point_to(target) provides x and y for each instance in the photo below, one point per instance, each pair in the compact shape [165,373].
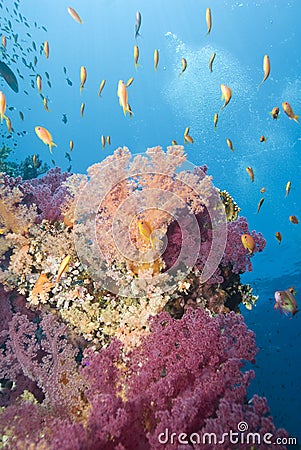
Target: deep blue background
[164,104]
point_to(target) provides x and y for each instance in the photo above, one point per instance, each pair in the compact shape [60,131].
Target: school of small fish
[14,53]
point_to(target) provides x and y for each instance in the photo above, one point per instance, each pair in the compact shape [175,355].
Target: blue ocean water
[164,104]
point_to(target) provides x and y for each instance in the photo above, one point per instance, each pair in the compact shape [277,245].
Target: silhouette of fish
[9,76]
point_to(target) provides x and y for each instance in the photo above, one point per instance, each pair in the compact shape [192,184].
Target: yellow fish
[266,69]
[174,142]
[289,111]
[136,55]
[8,124]
[39,83]
[226,95]
[74,15]
[123,97]
[2,106]
[278,236]
[208,20]
[156,59]
[63,267]
[215,120]
[212,57]
[146,230]
[184,66]
[109,140]
[188,138]
[260,204]
[82,109]
[45,136]
[83,78]
[45,103]
[248,242]
[103,141]
[3,40]
[129,82]
[275,112]
[46,49]
[101,86]
[250,172]
[288,188]
[230,145]
[71,145]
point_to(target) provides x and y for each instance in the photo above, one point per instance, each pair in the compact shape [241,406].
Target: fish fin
[295,118]
[260,84]
[295,311]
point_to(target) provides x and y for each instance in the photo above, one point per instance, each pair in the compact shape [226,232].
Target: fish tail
[81,88]
[52,144]
[296,119]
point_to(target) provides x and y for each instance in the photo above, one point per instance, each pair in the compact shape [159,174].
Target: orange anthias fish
[101,86]
[83,78]
[208,20]
[46,49]
[278,236]
[226,95]
[63,267]
[156,59]
[2,106]
[136,56]
[285,302]
[123,97]
[42,285]
[45,136]
[262,138]
[74,15]
[250,172]
[248,242]
[288,188]
[230,144]
[184,66]
[266,69]
[289,111]
[146,230]
[294,220]
[275,112]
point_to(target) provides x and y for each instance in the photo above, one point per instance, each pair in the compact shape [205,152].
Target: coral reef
[80,276]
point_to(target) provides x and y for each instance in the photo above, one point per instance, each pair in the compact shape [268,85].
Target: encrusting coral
[82,276]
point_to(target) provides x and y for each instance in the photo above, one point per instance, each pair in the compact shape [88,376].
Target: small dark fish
[9,76]
[47,75]
[35,61]
[34,46]
[25,92]
[67,155]
[21,115]
[137,24]
[49,84]
[53,162]
[28,34]
[15,36]
[44,28]
[35,24]
[65,70]
[69,81]
[26,24]
[69,169]
[11,108]
[64,118]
